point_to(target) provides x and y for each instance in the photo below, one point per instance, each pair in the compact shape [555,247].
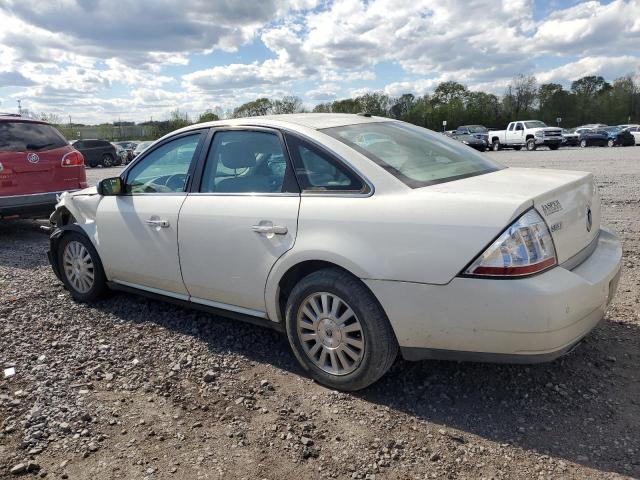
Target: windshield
[25,136]
[477,129]
[416,156]
[612,129]
[535,124]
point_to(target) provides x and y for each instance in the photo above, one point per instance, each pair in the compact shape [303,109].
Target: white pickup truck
[526,133]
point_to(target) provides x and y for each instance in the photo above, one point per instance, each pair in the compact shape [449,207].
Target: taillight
[524,248]
[73,159]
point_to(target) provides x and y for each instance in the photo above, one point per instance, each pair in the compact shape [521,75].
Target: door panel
[136,252]
[138,231]
[243,218]
[223,259]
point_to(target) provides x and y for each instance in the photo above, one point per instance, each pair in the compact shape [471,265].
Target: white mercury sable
[359,236]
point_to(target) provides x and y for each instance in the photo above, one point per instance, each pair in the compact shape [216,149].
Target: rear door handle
[267,229]
[157,223]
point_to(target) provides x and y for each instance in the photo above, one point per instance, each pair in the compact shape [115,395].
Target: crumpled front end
[76,207]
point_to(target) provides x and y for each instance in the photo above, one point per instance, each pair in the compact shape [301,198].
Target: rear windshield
[23,136]
[416,156]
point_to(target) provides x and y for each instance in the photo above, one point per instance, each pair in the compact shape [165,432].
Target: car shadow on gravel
[27,238]
[583,408]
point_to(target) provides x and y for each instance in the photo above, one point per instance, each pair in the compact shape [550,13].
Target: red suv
[36,164]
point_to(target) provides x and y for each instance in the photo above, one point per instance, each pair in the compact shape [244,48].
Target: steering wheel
[176,182]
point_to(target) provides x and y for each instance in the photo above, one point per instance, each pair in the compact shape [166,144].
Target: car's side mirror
[111,186]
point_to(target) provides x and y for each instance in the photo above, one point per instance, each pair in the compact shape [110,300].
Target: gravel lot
[133,388]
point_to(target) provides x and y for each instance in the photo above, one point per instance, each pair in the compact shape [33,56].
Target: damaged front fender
[78,207]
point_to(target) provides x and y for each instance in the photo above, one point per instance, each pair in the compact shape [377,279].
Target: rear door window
[29,136]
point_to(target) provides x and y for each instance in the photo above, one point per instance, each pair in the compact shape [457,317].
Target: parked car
[635,131]
[528,133]
[470,139]
[123,156]
[571,137]
[141,147]
[97,152]
[619,137]
[479,131]
[36,164]
[415,244]
[129,146]
[591,137]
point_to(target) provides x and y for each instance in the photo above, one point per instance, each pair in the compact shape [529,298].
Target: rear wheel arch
[295,273]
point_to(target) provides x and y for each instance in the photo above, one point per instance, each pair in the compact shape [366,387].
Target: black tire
[380,344]
[554,147]
[531,145]
[495,146]
[518,148]
[99,287]
[107,160]
[583,143]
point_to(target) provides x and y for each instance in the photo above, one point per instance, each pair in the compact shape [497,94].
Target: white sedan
[358,250]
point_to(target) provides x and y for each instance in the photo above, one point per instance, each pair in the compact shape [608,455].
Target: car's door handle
[157,223]
[267,229]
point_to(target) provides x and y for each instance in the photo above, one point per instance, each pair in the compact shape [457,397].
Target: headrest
[237,155]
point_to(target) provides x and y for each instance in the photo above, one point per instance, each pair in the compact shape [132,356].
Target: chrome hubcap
[78,266]
[330,333]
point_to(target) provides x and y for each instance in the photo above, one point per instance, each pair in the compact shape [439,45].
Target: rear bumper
[31,205]
[527,320]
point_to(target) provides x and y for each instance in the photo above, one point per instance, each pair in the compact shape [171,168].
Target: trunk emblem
[589,219]
[33,158]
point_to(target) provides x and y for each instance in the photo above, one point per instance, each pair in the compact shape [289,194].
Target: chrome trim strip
[582,255]
[233,308]
[244,194]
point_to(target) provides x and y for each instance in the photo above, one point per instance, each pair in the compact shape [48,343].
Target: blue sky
[100,60]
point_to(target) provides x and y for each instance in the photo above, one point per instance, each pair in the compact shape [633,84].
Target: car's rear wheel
[80,268]
[495,146]
[107,160]
[531,145]
[583,144]
[338,331]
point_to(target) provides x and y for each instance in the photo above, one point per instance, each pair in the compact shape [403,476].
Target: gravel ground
[133,388]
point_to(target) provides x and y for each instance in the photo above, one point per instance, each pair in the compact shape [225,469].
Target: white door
[241,220]
[138,231]
[515,136]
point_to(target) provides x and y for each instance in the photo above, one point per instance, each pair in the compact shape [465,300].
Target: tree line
[590,99]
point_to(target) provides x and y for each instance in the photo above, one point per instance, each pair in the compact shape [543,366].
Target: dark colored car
[593,138]
[479,131]
[619,137]
[98,152]
[476,136]
[36,164]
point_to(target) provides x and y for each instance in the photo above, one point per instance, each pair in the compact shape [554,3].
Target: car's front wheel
[107,160]
[338,331]
[610,143]
[80,268]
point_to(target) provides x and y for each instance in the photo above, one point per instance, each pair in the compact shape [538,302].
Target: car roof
[315,121]
[14,117]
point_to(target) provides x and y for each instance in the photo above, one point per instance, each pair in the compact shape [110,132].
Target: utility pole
[20,107]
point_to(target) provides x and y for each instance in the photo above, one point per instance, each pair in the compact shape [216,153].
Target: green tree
[208,116]
[255,108]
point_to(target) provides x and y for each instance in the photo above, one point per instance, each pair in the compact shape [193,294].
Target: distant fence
[110,132]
